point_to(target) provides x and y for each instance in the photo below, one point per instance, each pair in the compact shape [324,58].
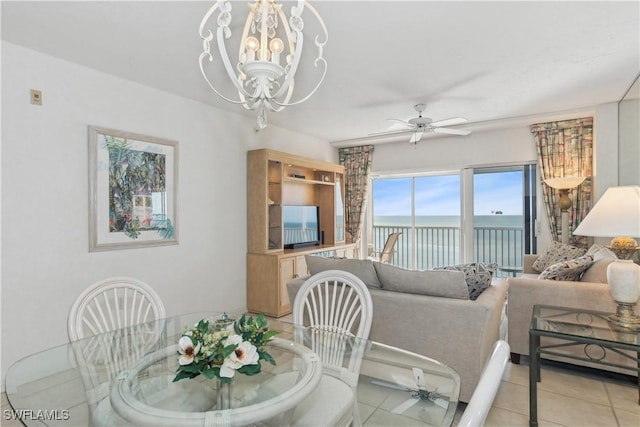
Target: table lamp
[617,213]
[563,185]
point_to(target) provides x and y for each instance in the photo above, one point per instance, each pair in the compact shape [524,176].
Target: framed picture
[133,190]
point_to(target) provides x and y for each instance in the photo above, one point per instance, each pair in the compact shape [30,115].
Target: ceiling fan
[419,125]
[418,392]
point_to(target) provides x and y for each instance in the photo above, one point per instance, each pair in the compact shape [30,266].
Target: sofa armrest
[527,263]
[525,292]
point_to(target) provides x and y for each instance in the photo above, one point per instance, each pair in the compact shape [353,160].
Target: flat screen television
[301,226]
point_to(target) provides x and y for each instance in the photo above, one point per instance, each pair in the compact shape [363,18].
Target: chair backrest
[111,304]
[336,301]
[389,247]
[482,398]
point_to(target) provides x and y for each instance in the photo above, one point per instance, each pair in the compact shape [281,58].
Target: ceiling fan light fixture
[264,81]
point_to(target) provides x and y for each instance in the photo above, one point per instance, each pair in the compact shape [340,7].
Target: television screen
[301,226]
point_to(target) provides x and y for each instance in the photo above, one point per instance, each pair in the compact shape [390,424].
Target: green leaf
[182,375]
[261,321]
[203,326]
[267,357]
[269,334]
[250,369]
[212,372]
[228,350]
[193,368]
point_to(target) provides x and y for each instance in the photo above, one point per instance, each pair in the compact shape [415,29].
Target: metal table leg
[534,377]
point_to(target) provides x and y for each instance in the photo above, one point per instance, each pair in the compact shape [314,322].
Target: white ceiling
[485,61]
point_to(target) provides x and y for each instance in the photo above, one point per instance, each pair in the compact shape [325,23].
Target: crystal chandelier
[268,56]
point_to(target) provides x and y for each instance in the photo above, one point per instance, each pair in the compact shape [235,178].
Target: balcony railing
[440,246]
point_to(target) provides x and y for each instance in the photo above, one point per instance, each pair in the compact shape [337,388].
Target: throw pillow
[556,253]
[477,276]
[361,268]
[447,284]
[567,270]
[602,257]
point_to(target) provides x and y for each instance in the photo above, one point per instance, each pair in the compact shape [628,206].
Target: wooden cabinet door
[301,266]
[287,272]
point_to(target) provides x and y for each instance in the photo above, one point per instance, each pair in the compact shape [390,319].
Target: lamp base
[625,319]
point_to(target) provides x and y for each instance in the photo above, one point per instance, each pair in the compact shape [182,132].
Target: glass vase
[224,395]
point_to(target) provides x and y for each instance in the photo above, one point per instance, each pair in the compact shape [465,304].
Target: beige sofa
[449,328]
[591,292]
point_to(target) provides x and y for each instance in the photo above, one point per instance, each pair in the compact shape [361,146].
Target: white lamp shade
[565,182]
[617,213]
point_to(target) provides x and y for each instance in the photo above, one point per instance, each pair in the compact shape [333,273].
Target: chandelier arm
[206,18]
[324,73]
[324,28]
[294,65]
[299,39]
[227,65]
[233,101]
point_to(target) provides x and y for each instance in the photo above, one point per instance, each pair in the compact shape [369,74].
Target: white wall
[45,257]
[511,145]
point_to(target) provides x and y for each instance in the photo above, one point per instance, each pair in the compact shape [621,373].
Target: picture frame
[133,190]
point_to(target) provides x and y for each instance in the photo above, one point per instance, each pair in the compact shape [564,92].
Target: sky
[440,195]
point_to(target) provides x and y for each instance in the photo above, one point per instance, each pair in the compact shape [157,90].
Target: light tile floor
[566,397]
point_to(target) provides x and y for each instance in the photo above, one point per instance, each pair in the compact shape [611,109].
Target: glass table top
[571,322]
[112,378]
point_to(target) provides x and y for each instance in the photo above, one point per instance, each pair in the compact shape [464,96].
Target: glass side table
[576,327]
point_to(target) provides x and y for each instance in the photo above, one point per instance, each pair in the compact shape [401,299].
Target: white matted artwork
[133,188]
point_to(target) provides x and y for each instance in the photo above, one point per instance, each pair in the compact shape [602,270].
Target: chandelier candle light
[269,54]
[617,213]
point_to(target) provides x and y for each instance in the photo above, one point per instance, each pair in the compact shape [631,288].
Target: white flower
[187,350]
[245,354]
[233,340]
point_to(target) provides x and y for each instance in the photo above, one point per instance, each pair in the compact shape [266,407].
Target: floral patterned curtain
[566,149]
[357,164]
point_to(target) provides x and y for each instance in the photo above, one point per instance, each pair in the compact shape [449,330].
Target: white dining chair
[111,304]
[102,348]
[337,307]
[482,398]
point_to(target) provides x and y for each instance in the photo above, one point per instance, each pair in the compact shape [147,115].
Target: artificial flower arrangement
[220,353]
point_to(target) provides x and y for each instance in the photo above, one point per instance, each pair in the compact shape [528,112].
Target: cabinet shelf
[307,181]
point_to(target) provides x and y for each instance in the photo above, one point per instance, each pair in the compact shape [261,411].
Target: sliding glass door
[478,214]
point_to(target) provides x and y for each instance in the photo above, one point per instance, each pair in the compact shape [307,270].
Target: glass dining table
[126,378]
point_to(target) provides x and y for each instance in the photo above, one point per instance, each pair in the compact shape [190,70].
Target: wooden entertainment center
[276,179]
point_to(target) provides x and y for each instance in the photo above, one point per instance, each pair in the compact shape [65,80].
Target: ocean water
[450,221]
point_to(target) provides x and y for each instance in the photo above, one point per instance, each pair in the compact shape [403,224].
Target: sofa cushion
[361,268]
[602,257]
[557,252]
[567,270]
[477,275]
[443,283]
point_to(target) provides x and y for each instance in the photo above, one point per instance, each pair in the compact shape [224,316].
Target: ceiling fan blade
[392,132]
[452,131]
[390,385]
[401,122]
[449,122]
[415,137]
[405,405]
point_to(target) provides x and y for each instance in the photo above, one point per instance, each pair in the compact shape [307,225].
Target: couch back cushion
[361,268]
[436,283]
